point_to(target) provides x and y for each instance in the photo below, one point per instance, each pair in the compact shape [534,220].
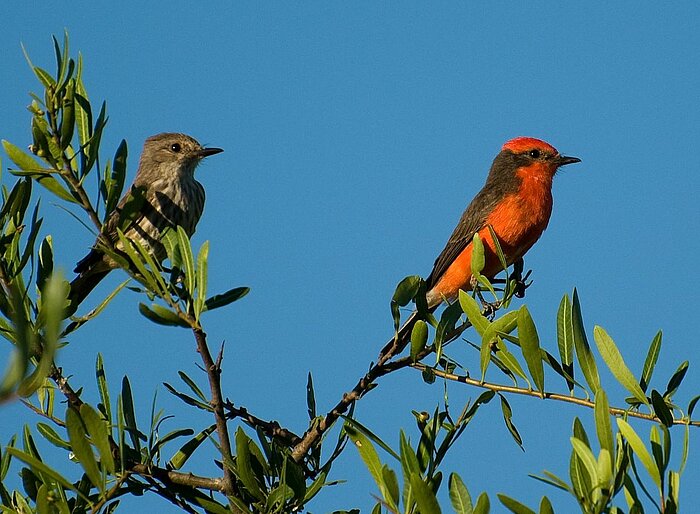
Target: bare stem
[615,411]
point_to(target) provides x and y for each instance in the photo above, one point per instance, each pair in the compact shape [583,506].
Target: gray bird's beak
[206,152]
[563,160]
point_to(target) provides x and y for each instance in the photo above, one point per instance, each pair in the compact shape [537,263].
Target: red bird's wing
[473,219]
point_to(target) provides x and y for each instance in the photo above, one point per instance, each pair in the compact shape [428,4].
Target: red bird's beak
[563,160]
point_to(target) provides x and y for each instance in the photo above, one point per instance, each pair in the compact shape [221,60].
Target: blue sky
[354,135]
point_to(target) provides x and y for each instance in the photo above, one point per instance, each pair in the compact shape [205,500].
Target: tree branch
[213,370]
[615,411]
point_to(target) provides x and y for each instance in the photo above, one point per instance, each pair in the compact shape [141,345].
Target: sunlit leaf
[612,357]
[530,345]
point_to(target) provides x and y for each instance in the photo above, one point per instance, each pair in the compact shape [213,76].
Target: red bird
[516,202]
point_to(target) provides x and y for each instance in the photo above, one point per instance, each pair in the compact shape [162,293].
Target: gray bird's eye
[175,147]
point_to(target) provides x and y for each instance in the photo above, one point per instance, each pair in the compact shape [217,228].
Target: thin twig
[615,411]
[269,428]
[217,403]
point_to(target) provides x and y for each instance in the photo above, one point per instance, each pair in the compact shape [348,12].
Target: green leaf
[129,415]
[603,424]
[509,360]
[530,345]
[187,259]
[162,316]
[51,436]
[661,410]
[99,435]
[612,357]
[187,449]
[675,381]
[117,178]
[473,312]
[478,258]
[40,467]
[244,469]
[507,418]
[221,300]
[202,278]
[583,349]
[82,449]
[419,337]
[192,385]
[405,291]
[22,159]
[459,495]
[514,505]
[565,339]
[369,456]
[483,505]
[424,495]
[650,361]
[585,455]
[640,450]
[546,506]
[102,387]
[359,427]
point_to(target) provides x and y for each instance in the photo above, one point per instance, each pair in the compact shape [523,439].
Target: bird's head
[173,154]
[534,158]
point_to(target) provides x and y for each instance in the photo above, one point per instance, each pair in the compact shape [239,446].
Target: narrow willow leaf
[244,469]
[530,345]
[473,312]
[565,339]
[51,436]
[514,505]
[221,300]
[359,427]
[129,415]
[310,397]
[603,425]
[507,418]
[82,449]
[99,435]
[661,410]
[483,504]
[392,486]
[419,337]
[584,453]
[501,326]
[22,159]
[650,361]
[612,357]
[40,467]
[546,506]
[162,316]
[102,387]
[405,291]
[510,362]
[187,449]
[478,258]
[424,495]
[583,349]
[675,381]
[459,495]
[640,450]
[187,259]
[202,278]
[369,456]
[117,178]
[192,385]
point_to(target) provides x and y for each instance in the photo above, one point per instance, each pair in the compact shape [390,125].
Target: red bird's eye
[535,154]
[175,147]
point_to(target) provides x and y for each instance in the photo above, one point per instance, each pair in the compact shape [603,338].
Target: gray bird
[164,194]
